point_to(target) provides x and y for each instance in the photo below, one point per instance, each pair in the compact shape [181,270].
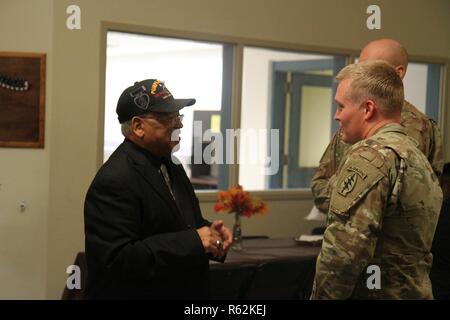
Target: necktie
[165,174]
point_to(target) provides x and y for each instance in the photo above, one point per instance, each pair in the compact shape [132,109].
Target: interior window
[190,69]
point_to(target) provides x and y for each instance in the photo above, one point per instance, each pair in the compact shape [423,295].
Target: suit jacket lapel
[151,174]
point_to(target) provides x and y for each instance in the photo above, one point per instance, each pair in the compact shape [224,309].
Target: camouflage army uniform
[384,208]
[418,126]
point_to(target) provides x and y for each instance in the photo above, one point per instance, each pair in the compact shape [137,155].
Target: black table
[265,269]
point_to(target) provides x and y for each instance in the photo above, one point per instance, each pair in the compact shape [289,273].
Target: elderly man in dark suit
[145,235]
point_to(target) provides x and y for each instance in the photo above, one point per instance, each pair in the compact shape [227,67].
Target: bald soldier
[418,126]
[385,199]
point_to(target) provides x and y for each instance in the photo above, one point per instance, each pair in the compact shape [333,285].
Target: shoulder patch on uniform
[348,184]
[355,179]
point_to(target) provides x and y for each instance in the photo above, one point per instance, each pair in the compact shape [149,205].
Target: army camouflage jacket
[384,208]
[418,126]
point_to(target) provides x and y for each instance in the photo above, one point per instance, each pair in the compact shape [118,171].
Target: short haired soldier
[385,199]
[417,125]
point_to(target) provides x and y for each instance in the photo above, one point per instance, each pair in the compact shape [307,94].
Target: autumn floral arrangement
[239,202]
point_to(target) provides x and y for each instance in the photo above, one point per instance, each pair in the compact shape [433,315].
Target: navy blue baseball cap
[149,95]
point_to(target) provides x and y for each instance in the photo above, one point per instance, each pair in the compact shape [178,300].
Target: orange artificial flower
[239,201]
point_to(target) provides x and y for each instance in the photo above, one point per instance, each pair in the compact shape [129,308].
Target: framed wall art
[22,99]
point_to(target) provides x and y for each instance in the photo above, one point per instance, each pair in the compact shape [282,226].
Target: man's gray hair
[376,80]
[126,128]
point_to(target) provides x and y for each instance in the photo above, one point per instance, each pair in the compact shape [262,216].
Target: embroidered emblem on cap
[141,98]
[348,184]
[159,90]
[154,86]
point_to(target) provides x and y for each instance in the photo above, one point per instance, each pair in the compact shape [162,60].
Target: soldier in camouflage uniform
[417,125]
[385,198]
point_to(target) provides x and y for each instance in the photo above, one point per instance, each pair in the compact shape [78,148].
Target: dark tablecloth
[264,269]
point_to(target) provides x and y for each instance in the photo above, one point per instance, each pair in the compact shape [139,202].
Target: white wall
[415,84]
[25,26]
[315,125]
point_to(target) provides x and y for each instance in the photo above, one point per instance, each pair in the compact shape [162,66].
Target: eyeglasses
[178,117]
[169,120]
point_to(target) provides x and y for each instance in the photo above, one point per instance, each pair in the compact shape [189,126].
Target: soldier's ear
[369,109]
[401,70]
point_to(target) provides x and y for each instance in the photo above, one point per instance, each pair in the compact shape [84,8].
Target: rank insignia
[348,184]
